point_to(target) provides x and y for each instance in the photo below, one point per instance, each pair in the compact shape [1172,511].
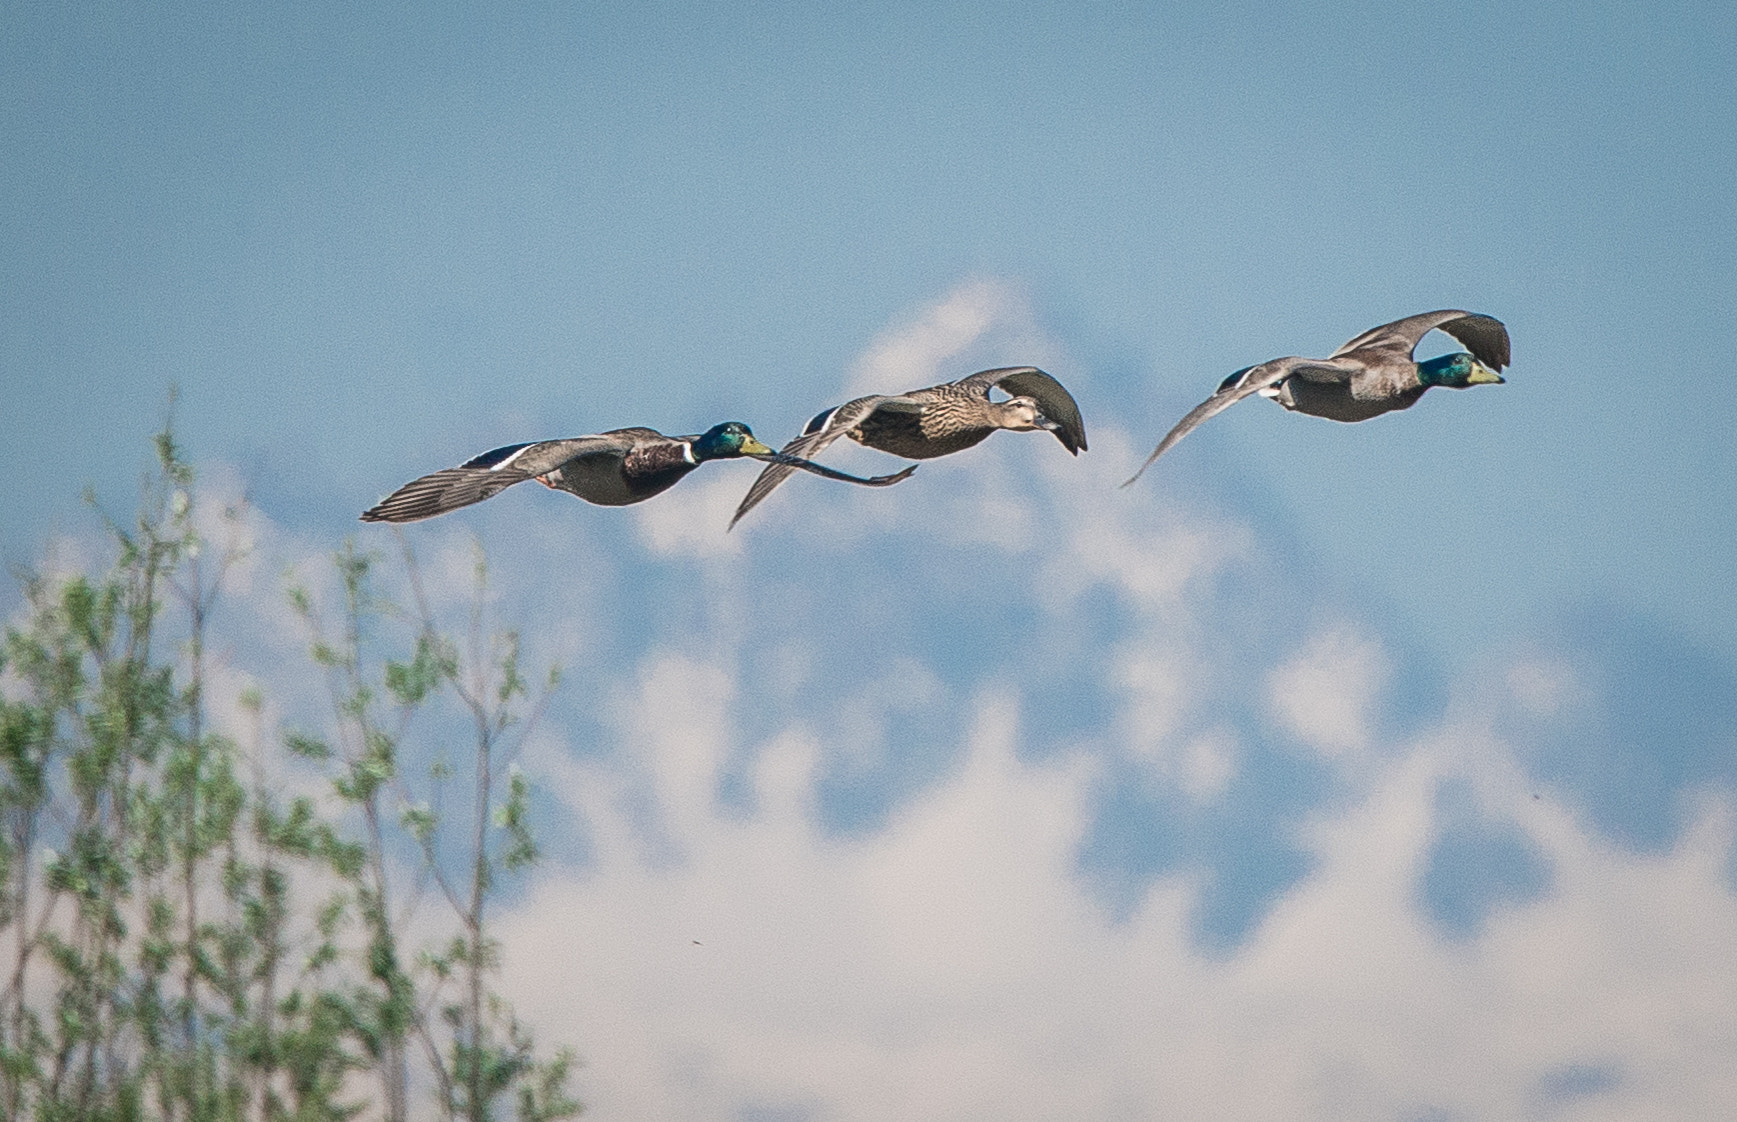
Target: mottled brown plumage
[936,421]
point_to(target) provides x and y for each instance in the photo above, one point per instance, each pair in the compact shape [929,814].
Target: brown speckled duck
[936,421]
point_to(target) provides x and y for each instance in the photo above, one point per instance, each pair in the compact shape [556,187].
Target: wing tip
[386,514]
[1135,478]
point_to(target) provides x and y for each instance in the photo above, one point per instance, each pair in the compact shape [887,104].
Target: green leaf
[307,747]
[420,821]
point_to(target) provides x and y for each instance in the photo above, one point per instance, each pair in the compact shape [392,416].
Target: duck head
[726,442]
[1457,371]
[1021,414]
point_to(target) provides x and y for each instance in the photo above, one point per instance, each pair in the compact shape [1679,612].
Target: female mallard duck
[937,421]
[1372,374]
[613,468]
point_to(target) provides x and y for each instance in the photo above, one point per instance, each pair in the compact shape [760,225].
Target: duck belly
[904,434]
[601,479]
[1334,400]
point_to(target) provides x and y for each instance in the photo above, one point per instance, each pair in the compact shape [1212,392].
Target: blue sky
[368,243]
[317,220]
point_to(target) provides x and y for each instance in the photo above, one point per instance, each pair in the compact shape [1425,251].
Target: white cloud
[690,519]
[1326,695]
[1148,550]
[682,706]
[1545,687]
[950,966]
[1207,764]
[984,320]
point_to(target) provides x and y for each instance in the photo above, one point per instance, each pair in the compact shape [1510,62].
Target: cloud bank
[1007,794]
[1004,794]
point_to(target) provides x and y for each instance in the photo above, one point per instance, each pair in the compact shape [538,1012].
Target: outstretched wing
[1233,389]
[825,427]
[487,475]
[1485,336]
[1051,397]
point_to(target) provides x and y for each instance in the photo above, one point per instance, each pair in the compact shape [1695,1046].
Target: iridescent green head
[726,442]
[1456,372]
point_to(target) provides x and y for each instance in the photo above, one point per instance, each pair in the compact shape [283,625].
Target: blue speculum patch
[494,456]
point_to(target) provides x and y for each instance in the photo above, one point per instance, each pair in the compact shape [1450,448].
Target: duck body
[1347,401]
[615,468]
[936,421]
[650,466]
[943,425]
[1372,374]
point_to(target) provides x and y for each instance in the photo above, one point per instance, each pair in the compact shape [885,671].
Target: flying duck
[1372,374]
[936,421]
[612,468]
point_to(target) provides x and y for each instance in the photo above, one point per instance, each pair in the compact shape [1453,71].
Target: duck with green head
[614,468]
[1372,374]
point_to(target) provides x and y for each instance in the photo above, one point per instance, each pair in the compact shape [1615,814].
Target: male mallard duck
[1372,374]
[936,421]
[613,468]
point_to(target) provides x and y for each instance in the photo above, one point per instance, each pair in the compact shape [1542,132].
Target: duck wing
[825,427]
[489,474]
[1485,336]
[1233,389]
[1051,397]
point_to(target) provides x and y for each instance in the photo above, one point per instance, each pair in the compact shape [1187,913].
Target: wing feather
[1485,336]
[1230,391]
[826,427]
[442,491]
[487,475]
[1051,397]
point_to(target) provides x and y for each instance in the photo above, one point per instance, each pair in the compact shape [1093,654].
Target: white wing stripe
[511,458]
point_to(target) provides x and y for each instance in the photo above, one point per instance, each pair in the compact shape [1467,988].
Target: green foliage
[513,817]
[481,1058]
[435,662]
[182,940]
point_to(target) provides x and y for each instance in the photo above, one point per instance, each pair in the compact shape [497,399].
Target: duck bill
[1046,424]
[752,447]
[1484,376]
